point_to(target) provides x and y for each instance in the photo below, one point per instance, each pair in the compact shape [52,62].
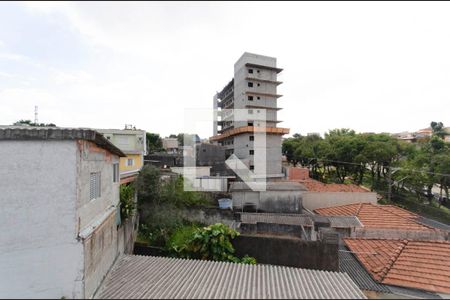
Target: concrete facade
[314,200]
[57,241]
[253,90]
[133,143]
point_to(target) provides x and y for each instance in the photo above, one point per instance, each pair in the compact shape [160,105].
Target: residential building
[61,228]
[248,107]
[140,277]
[170,145]
[415,264]
[133,143]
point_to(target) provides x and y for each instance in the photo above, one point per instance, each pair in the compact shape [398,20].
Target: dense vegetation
[345,156]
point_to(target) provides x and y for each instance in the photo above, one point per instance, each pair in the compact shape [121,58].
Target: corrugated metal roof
[349,264]
[139,277]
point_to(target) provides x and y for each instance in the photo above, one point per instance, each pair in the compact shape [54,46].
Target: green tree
[154,142]
[148,186]
[28,122]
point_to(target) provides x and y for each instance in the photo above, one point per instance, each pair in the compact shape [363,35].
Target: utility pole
[35,115]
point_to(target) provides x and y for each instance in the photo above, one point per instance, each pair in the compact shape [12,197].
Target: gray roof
[138,277]
[28,133]
[349,265]
[299,219]
[433,223]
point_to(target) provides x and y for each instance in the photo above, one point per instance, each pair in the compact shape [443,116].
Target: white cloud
[371,67]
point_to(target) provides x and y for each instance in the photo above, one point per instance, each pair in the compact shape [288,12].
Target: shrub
[208,243]
[127,205]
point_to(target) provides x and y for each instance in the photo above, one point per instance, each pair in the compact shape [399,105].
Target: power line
[361,165]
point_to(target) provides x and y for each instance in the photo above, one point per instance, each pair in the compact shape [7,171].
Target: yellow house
[132,142]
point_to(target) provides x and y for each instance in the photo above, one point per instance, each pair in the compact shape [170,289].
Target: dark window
[250,98]
[251,152]
[251,138]
[115,172]
[259,98]
[204,150]
[257,71]
[250,84]
[252,167]
[250,71]
[258,84]
[249,123]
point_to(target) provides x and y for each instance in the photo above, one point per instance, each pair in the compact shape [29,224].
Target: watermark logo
[240,133]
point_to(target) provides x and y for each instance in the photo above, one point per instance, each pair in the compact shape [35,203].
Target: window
[249,123]
[250,98]
[251,138]
[95,186]
[251,152]
[259,98]
[252,167]
[130,162]
[250,111]
[250,84]
[259,84]
[116,172]
[250,71]
[257,71]
[108,137]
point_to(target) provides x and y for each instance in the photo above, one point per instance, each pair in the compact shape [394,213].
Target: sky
[369,66]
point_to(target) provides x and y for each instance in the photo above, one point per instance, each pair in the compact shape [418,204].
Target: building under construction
[247,107]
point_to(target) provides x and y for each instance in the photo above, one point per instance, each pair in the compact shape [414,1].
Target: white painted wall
[313,200]
[39,254]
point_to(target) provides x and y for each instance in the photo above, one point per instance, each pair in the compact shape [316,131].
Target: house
[170,145]
[61,227]
[133,143]
[414,264]
[146,277]
[319,194]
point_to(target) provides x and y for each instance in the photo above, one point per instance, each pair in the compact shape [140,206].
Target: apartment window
[252,167]
[250,84]
[95,186]
[116,172]
[250,111]
[249,123]
[251,152]
[259,84]
[250,98]
[257,71]
[130,162]
[251,138]
[259,98]
[250,71]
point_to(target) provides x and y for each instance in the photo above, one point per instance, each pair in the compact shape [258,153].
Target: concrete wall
[286,251]
[400,234]
[40,256]
[313,200]
[269,201]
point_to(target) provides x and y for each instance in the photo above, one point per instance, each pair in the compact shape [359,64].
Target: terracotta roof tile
[422,265]
[377,216]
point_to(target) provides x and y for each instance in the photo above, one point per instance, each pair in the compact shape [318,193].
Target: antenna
[35,115]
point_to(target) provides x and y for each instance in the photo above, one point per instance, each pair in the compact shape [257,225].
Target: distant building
[133,143]
[170,145]
[252,89]
[61,228]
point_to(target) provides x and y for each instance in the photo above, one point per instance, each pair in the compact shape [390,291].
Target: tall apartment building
[248,106]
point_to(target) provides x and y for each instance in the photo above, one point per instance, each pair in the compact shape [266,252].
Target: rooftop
[377,216]
[421,265]
[27,133]
[138,277]
[298,219]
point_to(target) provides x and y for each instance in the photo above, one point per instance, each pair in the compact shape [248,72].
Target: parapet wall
[288,251]
[314,200]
